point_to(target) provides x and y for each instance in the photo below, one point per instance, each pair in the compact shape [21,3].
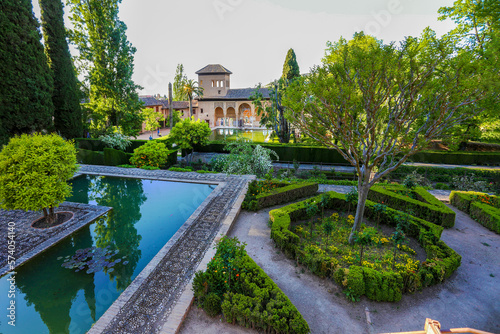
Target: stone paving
[30,241]
[147,303]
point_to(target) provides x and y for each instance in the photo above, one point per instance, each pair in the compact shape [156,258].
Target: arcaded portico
[222,106]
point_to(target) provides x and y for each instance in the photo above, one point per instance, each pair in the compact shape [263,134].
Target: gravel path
[469,298]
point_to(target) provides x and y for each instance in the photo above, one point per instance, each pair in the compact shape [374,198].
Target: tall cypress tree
[67,110]
[290,67]
[25,80]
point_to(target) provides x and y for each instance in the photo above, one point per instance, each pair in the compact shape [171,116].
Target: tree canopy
[383,102]
[179,80]
[25,80]
[106,59]
[34,170]
[66,95]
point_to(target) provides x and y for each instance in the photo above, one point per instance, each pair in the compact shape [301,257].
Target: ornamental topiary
[34,170]
[153,153]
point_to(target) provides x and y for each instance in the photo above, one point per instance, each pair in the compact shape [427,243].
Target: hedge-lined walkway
[467,299]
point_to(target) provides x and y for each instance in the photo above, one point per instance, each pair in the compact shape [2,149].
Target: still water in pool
[146,214]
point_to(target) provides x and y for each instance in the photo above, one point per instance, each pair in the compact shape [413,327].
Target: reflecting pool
[146,214]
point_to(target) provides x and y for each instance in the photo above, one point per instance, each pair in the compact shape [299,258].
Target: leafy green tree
[106,60]
[34,170]
[176,118]
[25,81]
[477,32]
[370,97]
[290,67]
[191,89]
[151,119]
[272,114]
[188,133]
[66,96]
[179,80]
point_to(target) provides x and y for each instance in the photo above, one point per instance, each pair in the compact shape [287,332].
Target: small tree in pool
[188,133]
[34,170]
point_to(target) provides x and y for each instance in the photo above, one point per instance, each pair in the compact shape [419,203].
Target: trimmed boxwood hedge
[286,194]
[89,157]
[458,158]
[318,154]
[441,261]
[485,214]
[426,206]
[97,145]
[264,305]
[114,157]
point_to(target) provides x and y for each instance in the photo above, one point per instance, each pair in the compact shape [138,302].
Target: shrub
[469,183]
[34,170]
[245,159]
[153,154]
[212,304]
[249,297]
[116,140]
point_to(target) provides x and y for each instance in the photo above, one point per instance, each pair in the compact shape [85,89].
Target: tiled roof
[177,105]
[238,94]
[150,101]
[214,69]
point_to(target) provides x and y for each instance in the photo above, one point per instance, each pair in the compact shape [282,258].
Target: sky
[251,37]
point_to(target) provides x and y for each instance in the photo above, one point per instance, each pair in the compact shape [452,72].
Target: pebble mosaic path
[147,303]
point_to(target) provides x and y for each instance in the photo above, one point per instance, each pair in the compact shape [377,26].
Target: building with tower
[220,106]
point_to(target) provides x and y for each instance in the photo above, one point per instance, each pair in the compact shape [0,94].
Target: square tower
[215,80]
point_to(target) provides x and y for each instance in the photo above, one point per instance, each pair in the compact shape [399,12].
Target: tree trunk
[171,112]
[51,218]
[360,209]
[190,107]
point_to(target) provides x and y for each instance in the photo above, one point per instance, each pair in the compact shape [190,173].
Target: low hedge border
[89,157]
[112,157]
[286,194]
[97,145]
[457,158]
[485,214]
[441,261]
[264,305]
[426,206]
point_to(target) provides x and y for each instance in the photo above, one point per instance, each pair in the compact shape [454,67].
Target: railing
[434,327]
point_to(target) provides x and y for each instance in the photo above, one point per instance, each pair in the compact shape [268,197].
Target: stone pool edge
[181,302]
[183,306]
[96,213]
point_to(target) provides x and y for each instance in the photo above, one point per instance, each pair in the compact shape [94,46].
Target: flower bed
[263,194]
[236,286]
[483,208]
[378,285]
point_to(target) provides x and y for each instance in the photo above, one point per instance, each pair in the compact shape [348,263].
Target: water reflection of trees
[52,290]
[118,231]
